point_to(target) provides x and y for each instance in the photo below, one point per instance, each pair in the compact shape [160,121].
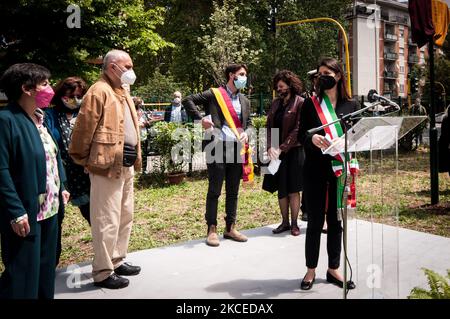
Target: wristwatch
[19,219]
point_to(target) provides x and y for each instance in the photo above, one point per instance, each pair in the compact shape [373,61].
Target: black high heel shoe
[333,280]
[281,228]
[307,285]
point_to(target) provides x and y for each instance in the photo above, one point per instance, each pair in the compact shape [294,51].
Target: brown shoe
[232,233]
[212,239]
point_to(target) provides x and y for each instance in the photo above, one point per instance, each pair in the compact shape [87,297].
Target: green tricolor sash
[327,114]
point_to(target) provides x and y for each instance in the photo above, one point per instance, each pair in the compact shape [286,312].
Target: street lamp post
[344,35]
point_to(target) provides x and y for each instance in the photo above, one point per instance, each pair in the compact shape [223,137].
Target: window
[402,69]
[401,51]
[401,33]
[402,88]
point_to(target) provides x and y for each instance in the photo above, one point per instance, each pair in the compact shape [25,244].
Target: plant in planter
[170,140]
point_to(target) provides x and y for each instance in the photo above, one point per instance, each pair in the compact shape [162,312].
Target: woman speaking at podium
[321,172]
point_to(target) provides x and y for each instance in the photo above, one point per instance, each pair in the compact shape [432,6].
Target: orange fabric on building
[440,14]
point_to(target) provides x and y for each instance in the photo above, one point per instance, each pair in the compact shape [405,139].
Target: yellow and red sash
[327,114]
[234,123]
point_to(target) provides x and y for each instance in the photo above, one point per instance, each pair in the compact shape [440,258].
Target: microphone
[375,107]
[373,96]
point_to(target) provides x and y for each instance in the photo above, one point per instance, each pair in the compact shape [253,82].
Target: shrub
[439,287]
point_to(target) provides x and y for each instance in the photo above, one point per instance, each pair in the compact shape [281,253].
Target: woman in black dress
[282,143]
[320,181]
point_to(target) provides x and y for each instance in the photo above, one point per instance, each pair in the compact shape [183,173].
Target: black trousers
[226,168]
[320,196]
[84,209]
[30,262]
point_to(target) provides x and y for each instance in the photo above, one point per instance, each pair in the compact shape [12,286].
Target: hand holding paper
[274,153]
[207,123]
[274,165]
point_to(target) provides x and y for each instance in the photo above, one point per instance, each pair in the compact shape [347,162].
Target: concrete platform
[386,263]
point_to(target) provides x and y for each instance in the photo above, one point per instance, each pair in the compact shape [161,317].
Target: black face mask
[283,94]
[326,82]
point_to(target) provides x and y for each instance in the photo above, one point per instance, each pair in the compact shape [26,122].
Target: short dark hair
[291,79]
[138,101]
[334,65]
[233,68]
[26,74]
[68,85]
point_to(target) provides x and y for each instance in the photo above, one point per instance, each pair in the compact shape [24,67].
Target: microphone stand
[349,116]
[344,119]
[344,202]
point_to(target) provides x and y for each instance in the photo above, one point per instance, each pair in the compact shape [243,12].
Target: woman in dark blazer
[282,143]
[29,190]
[320,181]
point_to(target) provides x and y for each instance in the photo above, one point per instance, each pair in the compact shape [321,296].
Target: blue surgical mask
[240,82]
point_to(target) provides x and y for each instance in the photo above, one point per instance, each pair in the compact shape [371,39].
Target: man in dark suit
[222,149]
[176,112]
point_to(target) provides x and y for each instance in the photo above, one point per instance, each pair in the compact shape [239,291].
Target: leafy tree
[159,88]
[182,28]
[37,31]
[225,42]
[297,48]
[441,72]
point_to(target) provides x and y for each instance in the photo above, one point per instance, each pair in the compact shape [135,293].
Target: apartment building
[381,51]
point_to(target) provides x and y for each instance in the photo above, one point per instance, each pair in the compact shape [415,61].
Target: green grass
[172,214]
[382,193]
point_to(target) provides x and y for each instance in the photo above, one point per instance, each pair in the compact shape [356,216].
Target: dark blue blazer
[168,114]
[23,173]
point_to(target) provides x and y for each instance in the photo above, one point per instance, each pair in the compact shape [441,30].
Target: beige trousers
[112,206]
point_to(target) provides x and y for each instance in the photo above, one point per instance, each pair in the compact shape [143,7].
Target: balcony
[390,75]
[389,88]
[394,19]
[390,56]
[390,37]
[413,59]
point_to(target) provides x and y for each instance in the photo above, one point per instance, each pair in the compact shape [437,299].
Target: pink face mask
[43,97]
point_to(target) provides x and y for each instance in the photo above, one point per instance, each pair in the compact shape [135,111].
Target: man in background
[176,112]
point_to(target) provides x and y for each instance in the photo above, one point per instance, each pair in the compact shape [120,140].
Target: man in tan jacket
[105,140]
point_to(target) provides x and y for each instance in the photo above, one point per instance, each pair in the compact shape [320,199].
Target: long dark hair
[334,65]
[291,79]
[68,85]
